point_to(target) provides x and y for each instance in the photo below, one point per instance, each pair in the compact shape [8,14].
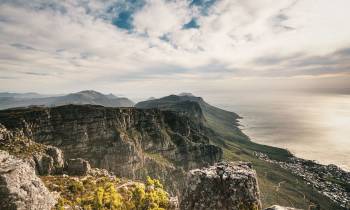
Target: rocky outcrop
[120,139]
[78,167]
[50,161]
[44,158]
[224,186]
[20,188]
[276,207]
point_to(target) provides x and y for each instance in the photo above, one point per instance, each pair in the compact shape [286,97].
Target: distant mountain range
[10,100]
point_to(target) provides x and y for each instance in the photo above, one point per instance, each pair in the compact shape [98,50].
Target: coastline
[329,180]
[242,124]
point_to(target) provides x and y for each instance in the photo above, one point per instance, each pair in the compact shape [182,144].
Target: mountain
[21,95]
[222,121]
[92,97]
[225,133]
[165,138]
[83,97]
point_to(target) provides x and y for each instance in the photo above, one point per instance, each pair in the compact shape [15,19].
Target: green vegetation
[277,185]
[105,193]
[160,159]
[21,147]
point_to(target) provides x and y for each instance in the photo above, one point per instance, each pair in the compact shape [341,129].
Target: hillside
[291,191]
[163,138]
[11,100]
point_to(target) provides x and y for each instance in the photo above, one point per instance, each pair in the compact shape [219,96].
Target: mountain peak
[186,94]
[89,92]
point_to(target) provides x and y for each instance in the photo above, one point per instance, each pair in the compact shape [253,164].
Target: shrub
[102,193]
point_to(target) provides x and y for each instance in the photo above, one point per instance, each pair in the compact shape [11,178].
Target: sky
[154,47]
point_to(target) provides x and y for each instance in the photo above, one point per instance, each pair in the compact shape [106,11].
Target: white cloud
[159,17]
[78,45]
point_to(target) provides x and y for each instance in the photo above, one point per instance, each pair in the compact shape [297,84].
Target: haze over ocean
[312,126]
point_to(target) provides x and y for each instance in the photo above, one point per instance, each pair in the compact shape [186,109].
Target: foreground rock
[20,188]
[78,167]
[46,159]
[276,207]
[50,161]
[224,186]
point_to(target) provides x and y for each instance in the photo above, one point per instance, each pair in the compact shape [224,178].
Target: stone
[49,162]
[276,207]
[223,186]
[57,157]
[20,188]
[78,167]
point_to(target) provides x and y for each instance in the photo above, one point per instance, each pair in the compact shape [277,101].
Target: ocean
[311,126]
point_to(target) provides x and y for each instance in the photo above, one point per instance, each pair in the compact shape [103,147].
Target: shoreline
[329,180]
[242,126]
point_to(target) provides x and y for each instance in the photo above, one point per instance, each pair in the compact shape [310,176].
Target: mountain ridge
[183,123]
[11,100]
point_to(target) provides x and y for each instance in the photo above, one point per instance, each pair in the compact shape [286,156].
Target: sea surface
[311,126]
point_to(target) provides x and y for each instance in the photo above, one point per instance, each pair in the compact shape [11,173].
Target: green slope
[277,185]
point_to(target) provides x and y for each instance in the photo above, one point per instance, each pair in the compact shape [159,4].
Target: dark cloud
[22,46]
[275,60]
[337,62]
[35,73]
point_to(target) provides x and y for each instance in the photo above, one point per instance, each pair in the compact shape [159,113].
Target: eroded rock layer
[130,142]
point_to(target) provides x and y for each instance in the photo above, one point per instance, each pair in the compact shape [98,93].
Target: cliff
[130,142]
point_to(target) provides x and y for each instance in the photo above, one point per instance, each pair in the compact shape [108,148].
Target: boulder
[20,188]
[78,167]
[50,161]
[57,157]
[223,186]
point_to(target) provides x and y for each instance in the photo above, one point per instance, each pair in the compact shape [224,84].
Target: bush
[102,193]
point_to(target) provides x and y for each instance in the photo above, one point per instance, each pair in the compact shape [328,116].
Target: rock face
[44,158]
[276,207]
[224,186]
[78,167]
[129,142]
[50,161]
[20,188]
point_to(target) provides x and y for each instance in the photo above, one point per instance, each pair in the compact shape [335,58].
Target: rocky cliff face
[130,142]
[223,186]
[20,188]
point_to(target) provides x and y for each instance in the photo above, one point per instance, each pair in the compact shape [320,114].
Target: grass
[160,159]
[277,185]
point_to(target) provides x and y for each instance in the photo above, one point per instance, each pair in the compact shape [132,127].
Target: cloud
[91,41]
[159,17]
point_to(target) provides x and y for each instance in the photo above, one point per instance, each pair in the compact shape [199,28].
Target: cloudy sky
[154,47]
